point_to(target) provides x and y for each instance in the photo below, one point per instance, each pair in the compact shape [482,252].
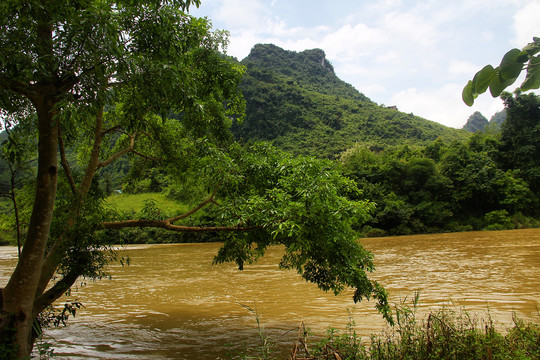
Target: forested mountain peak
[476,122]
[296,100]
[499,117]
[272,55]
[309,68]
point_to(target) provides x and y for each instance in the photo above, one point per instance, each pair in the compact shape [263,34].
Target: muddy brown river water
[171,303]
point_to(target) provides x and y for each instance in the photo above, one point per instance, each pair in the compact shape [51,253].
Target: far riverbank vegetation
[490,181]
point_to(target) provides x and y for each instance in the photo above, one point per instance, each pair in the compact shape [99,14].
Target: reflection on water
[171,303]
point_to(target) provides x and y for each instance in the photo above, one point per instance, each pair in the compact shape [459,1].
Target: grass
[152,206]
[445,334]
[131,203]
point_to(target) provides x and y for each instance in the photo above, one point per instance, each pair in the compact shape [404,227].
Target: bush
[498,220]
[444,334]
[374,232]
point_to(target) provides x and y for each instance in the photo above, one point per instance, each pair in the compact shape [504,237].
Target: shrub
[498,220]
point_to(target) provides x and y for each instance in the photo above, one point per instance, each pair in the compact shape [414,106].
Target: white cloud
[487,36]
[416,29]
[461,67]
[352,41]
[527,24]
[417,55]
[444,105]
[241,44]
[241,15]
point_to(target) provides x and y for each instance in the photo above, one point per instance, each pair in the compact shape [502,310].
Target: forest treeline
[490,181]
[420,176]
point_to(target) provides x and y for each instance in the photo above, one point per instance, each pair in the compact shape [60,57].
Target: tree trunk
[16,318]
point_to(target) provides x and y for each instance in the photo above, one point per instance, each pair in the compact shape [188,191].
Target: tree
[499,78]
[520,137]
[144,79]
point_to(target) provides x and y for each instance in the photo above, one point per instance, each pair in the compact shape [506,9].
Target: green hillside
[297,101]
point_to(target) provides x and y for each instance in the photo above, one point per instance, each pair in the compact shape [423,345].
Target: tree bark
[17,316]
[19,294]
[52,259]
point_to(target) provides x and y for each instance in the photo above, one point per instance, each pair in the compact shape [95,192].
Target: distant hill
[498,118]
[476,122]
[296,100]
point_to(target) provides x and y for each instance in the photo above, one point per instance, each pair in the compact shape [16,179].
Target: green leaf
[523,56]
[510,66]
[532,81]
[498,84]
[532,48]
[482,79]
[467,94]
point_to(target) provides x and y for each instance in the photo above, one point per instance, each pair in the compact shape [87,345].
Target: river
[171,303]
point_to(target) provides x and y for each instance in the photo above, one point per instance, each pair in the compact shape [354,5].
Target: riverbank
[447,334]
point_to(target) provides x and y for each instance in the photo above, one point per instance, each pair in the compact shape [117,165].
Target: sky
[416,55]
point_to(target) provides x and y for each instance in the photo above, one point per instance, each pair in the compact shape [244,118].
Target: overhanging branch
[119,153]
[127,150]
[165,224]
[109,130]
[196,208]
[145,156]
[54,293]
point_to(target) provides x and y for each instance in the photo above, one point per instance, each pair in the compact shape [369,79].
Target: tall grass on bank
[443,334]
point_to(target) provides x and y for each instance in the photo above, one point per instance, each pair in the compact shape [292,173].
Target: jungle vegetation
[146,81]
[99,97]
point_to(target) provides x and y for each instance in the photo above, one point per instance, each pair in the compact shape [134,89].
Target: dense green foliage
[297,101]
[486,182]
[520,137]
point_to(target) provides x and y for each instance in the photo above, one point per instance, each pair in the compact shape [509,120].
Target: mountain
[498,118]
[476,122]
[295,100]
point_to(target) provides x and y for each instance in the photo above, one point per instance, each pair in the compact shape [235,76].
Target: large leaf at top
[532,48]
[510,66]
[498,83]
[532,81]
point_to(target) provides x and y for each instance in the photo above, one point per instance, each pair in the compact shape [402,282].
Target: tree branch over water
[166,224]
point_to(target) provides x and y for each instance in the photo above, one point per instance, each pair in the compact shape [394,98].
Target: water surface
[171,303]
